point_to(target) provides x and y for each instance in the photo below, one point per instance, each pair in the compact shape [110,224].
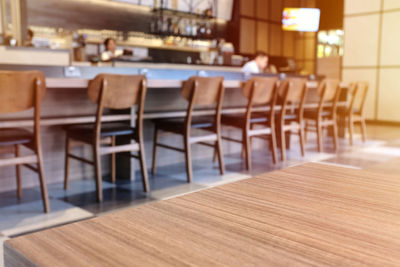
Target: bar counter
[168,77]
[66,102]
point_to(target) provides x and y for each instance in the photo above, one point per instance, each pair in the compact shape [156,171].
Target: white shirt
[251,67]
[107,55]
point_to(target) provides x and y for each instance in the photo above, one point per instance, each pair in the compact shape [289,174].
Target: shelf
[162,47]
[182,36]
[181,13]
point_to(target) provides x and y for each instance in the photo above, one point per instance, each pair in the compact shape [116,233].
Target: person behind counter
[257,65]
[29,38]
[111,50]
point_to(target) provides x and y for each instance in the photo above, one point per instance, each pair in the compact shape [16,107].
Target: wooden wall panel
[309,67]
[291,3]
[247,36]
[262,36]
[275,40]
[309,52]
[311,3]
[276,10]
[288,43]
[247,8]
[262,9]
[260,29]
[299,49]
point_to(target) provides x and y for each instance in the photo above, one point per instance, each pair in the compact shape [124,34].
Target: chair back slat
[208,89]
[122,90]
[17,90]
[359,96]
[292,89]
[328,89]
[264,88]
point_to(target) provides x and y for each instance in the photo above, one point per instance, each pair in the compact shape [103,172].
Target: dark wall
[331,14]
[78,14]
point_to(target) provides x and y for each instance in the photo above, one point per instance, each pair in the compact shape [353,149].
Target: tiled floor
[381,153]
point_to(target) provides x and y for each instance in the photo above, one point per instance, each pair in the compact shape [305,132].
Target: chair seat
[239,120]
[177,125]
[15,136]
[313,114]
[345,111]
[84,132]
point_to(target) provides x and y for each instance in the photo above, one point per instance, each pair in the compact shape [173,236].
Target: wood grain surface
[308,215]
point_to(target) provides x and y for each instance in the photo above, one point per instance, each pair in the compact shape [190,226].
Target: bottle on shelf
[194,28]
[188,28]
[153,26]
[164,25]
[202,30]
[159,25]
[208,30]
[170,26]
[175,27]
[181,26]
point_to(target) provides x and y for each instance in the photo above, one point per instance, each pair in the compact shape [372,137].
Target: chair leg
[154,163]
[363,130]
[43,185]
[274,145]
[335,136]
[143,168]
[66,170]
[351,130]
[113,162]
[302,143]
[97,170]
[305,131]
[215,154]
[247,147]
[319,136]
[220,155]
[18,172]
[283,145]
[188,157]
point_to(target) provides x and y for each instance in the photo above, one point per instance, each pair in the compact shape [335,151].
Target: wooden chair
[355,111]
[116,92]
[292,92]
[198,91]
[326,113]
[258,91]
[20,91]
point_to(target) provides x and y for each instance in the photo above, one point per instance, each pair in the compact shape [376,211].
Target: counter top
[32,48]
[77,83]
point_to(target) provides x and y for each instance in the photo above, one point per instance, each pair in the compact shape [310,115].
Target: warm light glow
[301,19]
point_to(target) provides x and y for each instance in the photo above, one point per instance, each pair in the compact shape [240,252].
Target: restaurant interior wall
[260,29]
[371,53]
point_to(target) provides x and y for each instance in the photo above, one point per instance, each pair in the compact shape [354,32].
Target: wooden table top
[312,214]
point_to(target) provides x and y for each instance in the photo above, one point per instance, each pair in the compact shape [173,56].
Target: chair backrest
[328,90]
[18,90]
[263,89]
[207,89]
[120,91]
[358,92]
[203,91]
[293,90]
